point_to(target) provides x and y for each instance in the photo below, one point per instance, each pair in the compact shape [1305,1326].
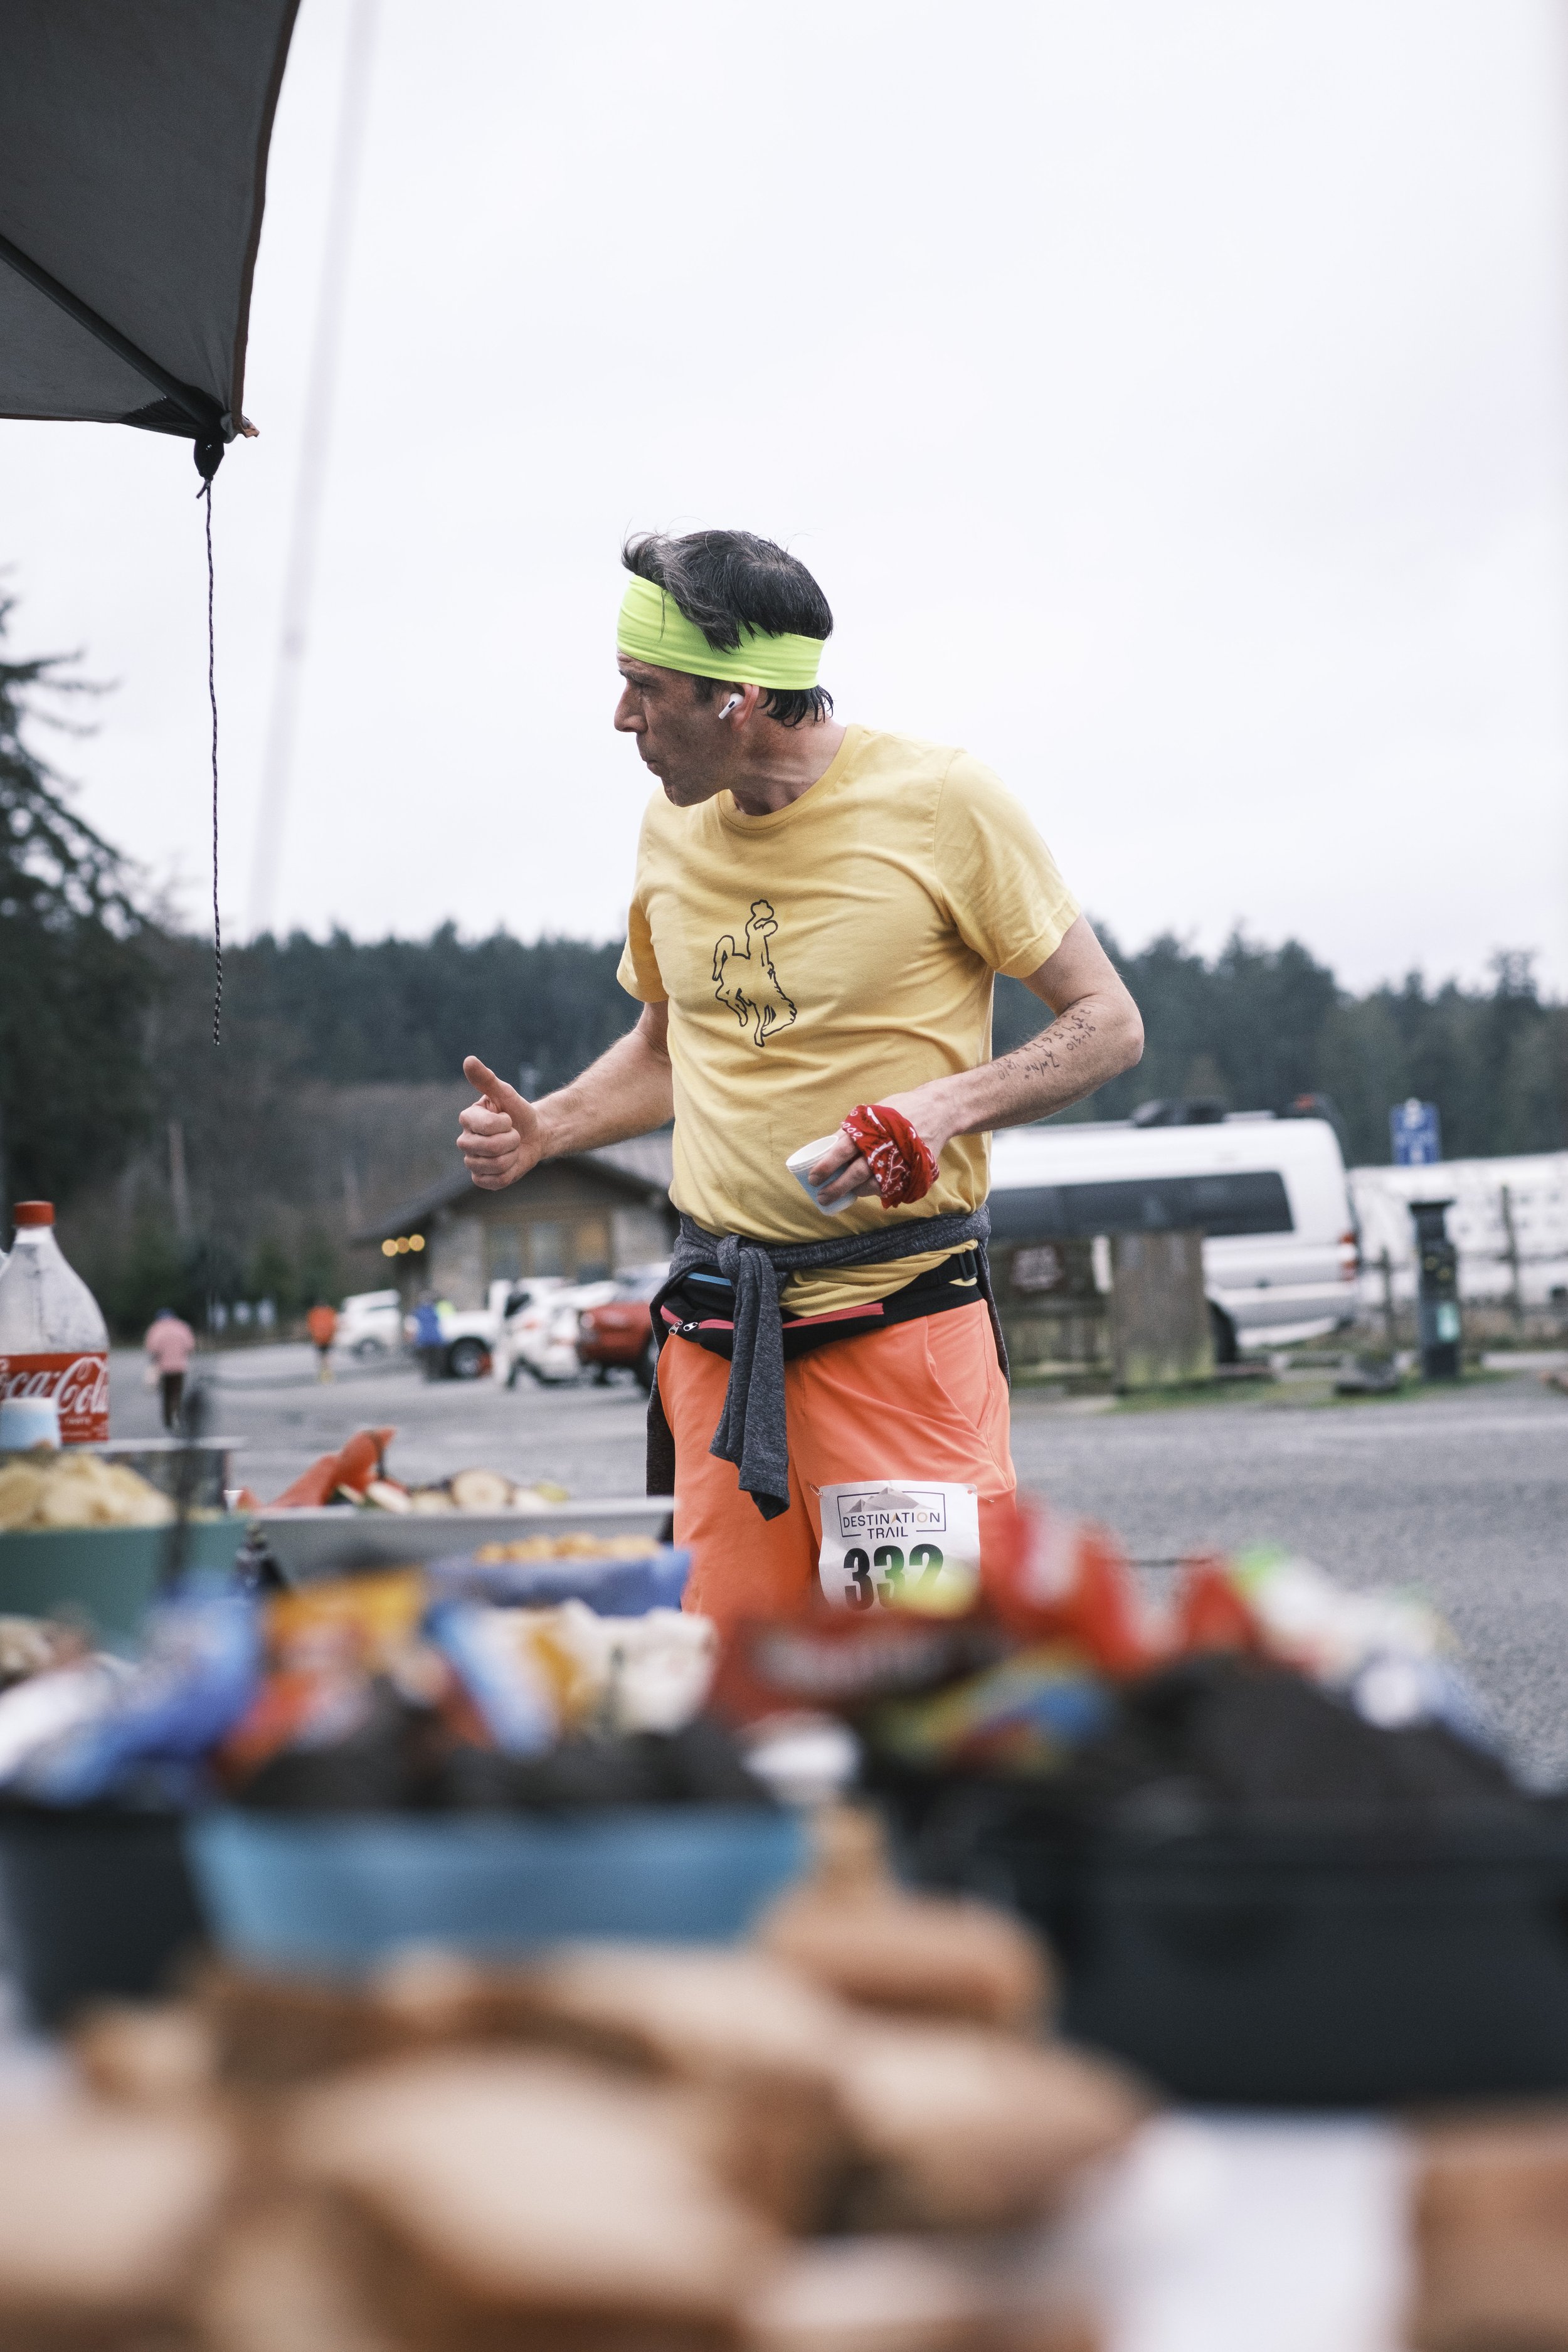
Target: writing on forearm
[1050,1051]
[1096,1035]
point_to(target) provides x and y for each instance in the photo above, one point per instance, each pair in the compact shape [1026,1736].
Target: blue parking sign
[1415,1134]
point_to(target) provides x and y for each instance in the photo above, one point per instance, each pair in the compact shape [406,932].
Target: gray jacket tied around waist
[753,1432]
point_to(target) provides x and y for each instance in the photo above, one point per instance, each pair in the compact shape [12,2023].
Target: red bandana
[902,1165]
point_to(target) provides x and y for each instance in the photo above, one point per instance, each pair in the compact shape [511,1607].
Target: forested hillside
[1255,1025]
[336,1089]
[189,1171]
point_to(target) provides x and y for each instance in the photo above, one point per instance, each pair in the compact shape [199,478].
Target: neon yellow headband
[653,629]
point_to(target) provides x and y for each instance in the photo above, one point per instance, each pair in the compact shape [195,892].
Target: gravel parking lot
[1463,1493]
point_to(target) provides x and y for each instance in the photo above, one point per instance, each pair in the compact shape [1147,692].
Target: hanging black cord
[206,492]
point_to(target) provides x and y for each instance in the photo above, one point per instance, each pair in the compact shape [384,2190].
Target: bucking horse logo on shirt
[744,978]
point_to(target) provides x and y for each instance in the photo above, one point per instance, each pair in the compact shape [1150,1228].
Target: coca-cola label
[78,1385]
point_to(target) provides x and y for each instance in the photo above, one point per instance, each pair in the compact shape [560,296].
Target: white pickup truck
[479,1339]
[540,1337]
[522,1326]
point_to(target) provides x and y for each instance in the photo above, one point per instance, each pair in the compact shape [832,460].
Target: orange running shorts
[924,1399]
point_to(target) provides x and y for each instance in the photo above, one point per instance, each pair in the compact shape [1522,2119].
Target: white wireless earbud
[733,703]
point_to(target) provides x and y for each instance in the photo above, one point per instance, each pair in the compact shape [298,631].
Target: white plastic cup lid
[806,1157]
[810,1153]
[26,1422]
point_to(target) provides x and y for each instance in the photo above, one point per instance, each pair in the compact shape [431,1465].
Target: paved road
[590,1439]
[1465,1495]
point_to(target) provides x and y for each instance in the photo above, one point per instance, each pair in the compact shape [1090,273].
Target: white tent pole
[304,533]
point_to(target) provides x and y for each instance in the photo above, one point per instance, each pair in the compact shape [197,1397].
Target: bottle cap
[35,1212]
[26,1422]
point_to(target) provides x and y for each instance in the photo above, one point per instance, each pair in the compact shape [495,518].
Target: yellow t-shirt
[833,953]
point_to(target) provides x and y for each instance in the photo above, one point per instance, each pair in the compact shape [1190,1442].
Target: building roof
[650,1158]
[643,1165]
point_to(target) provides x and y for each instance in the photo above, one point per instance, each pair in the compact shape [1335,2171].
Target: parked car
[369,1324]
[519,1324]
[542,1340]
[617,1332]
[1269,1194]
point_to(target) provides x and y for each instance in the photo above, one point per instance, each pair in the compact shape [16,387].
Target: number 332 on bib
[900,1544]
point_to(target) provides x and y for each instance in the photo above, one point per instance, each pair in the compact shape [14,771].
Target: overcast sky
[1171,396]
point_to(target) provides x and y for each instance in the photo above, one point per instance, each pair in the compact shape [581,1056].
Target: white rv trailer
[1270,1195]
[1509,1221]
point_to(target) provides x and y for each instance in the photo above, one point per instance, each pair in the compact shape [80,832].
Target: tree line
[106,1057]
[1253,1026]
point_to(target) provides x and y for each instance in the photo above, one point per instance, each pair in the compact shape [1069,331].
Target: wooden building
[583,1217]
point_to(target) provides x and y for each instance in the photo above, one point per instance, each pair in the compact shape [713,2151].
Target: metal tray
[158,1460]
[313,1544]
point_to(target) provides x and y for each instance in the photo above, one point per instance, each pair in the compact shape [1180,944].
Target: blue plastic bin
[341,1891]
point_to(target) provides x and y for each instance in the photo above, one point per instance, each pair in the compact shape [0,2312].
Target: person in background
[170,1345]
[322,1323]
[427,1338]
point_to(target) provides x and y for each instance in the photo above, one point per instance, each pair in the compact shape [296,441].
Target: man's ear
[749,697]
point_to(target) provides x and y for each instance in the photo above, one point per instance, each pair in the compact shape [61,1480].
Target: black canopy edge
[259,202]
[205,420]
[159,416]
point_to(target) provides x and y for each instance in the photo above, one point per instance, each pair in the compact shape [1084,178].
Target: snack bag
[326,1645]
[1066,1578]
[196,1680]
[34,1714]
[1027,1714]
[369,1618]
[1211,1612]
[838,1663]
[504,1671]
[661,1669]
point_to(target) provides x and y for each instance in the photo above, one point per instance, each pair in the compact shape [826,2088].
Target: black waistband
[701,1309]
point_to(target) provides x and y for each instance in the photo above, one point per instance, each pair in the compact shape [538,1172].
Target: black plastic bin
[1287,1957]
[95,1903]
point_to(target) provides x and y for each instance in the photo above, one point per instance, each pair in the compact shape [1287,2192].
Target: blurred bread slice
[853,1929]
[955,2127]
[279,2280]
[269,2032]
[696,2010]
[104,2215]
[756,2035]
[146,2053]
[507,2198]
[915,1954]
[913,2295]
[1491,2233]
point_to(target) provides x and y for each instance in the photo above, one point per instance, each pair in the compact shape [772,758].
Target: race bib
[900,1544]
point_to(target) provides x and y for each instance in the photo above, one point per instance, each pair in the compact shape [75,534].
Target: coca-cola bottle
[53,1340]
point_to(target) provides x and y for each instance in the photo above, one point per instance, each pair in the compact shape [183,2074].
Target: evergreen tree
[75,977]
[1259,1027]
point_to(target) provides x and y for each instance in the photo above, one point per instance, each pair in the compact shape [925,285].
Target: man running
[817,917]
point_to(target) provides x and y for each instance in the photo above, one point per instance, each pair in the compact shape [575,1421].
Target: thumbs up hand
[502,1135]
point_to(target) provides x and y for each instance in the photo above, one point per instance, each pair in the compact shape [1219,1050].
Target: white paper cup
[26,1422]
[807,1157]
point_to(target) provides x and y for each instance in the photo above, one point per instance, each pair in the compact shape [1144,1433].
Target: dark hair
[725,581]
